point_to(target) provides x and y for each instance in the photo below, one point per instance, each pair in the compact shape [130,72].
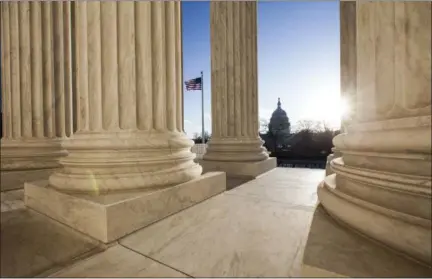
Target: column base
[240,169]
[335,250]
[407,234]
[336,154]
[30,154]
[308,271]
[12,180]
[111,216]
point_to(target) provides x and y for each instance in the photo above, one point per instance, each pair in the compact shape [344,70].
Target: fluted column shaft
[35,90]
[384,175]
[235,128]
[348,59]
[128,74]
[348,68]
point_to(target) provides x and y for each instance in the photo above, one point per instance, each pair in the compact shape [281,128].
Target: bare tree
[313,126]
[264,124]
[197,138]
[306,125]
[322,126]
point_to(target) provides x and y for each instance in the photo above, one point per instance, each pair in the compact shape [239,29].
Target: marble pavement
[267,227]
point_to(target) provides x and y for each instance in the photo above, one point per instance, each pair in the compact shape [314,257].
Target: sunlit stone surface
[382,182]
[268,227]
[134,201]
[235,146]
[36,89]
[129,163]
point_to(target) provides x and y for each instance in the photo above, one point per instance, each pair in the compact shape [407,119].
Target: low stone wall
[199,149]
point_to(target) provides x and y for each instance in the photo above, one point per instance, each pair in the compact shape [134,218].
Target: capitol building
[279,129]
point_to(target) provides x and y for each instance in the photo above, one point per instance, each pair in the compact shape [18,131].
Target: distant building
[301,149]
[279,129]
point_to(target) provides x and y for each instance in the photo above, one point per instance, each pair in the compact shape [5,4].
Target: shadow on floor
[32,243]
[233,182]
[335,248]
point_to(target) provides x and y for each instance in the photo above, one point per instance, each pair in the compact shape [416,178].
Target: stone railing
[199,149]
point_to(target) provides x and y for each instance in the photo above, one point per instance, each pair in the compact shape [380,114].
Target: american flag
[194,84]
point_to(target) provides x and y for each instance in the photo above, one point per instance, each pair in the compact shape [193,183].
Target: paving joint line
[148,257]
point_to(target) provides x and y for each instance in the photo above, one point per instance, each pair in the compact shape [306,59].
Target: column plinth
[235,146]
[129,163]
[381,185]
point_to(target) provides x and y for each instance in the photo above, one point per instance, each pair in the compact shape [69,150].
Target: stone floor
[267,227]
[12,200]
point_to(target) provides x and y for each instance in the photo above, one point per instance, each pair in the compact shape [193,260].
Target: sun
[328,109]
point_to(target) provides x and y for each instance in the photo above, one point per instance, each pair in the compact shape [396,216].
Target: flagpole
[202,106]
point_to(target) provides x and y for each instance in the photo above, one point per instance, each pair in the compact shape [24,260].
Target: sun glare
[344,108]
[328,110]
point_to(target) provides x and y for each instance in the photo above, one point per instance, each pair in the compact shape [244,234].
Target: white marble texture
[129,115]
[36,91]
[11,180]
[298,191]
[348,59]
[107,217]
[228,236]
[36,69]
[384,175]
[12,200]
[117,261]
[32,244]
[334,250]
[239,169]
[236,234]
[393,60]
[235,138]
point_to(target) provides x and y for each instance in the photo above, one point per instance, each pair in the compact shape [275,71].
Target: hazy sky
[298,60]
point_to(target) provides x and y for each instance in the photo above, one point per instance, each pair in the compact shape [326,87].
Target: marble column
[348,59]
[235,145]
[129,163]
[129,131]
[348,68]
[36,96]
[382,183]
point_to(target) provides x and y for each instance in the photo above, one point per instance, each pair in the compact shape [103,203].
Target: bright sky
[298,60]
